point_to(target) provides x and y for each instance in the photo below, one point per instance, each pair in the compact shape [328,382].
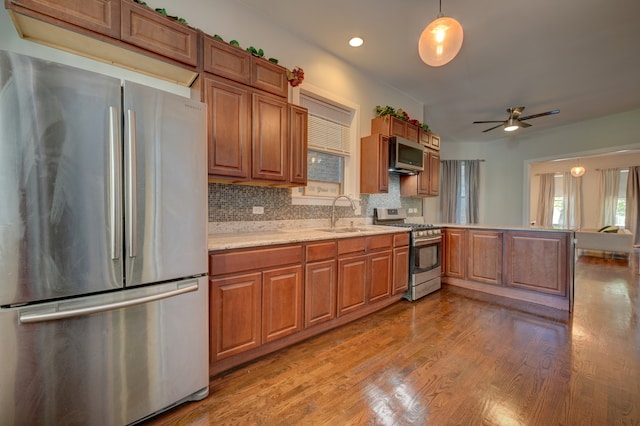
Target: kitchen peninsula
[530,264]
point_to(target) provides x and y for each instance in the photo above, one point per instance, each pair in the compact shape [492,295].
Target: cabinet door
[400,269]
[298,144]
[434,173]
[228,137]
[270,138]
[374,164]
[145,28]
[228,61]
[235,315]
[538,261]
[352,273]
[320,292]
[282,302]
[485,256]
[380,275]
[434,141]
[269,77]
[455,253]
[100,16]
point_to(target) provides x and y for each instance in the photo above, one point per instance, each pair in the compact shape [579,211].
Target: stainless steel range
[425,253]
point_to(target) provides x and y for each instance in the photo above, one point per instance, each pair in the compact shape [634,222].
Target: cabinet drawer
[145,28]
[254,259]
[269,77]
[379,242]
[400,240]
[225,60]
[351,245]
[321,251]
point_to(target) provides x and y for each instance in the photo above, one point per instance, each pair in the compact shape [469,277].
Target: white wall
[505,174]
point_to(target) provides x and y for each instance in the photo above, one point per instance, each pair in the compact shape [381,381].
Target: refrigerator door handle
[115,185]
[59,312]
[132,197]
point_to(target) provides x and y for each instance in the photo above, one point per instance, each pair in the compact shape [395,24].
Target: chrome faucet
[333,208]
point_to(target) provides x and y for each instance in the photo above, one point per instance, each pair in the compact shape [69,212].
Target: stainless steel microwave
[405,157]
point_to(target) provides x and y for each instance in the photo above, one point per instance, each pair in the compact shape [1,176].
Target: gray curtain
[609,190]
[571,217]
[546,195]
[472,176]
[449,190]
[632,214]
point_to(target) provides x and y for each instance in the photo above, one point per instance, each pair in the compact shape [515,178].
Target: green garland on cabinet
[399,113]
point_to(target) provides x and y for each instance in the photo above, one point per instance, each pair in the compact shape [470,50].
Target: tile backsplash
[233,203]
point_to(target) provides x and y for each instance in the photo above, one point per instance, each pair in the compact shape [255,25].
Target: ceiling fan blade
[542,114]
[523,124]
[491,128]
[495,121]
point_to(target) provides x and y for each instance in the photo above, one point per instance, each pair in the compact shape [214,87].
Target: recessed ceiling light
[356,42]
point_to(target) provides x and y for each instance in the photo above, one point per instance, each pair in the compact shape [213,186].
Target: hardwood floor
[452,358]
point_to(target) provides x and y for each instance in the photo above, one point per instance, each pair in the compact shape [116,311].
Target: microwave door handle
[132,197]
[115,184]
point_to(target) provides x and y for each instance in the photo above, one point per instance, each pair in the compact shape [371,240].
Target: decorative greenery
[399,113]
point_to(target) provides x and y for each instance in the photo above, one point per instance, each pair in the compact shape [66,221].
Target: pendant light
[577,170]
[441,41]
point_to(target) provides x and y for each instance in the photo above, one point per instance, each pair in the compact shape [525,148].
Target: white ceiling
[579,56]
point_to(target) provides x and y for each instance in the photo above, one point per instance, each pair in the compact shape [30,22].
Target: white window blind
[329,126]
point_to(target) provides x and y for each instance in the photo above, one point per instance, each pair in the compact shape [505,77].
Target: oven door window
[427,256]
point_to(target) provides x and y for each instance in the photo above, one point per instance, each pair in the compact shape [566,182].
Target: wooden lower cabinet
[533,266]
[235,315]
[352,283]
[282,302]
[538,262]
[266,298]
[455,252]
[485,257]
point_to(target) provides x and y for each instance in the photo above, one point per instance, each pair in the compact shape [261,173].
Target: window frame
[351,166]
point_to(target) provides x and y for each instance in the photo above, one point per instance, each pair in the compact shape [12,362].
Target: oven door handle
[426,242]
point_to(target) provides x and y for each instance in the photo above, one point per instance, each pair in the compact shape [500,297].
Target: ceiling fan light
[577,171]
[441,41]
[511,125]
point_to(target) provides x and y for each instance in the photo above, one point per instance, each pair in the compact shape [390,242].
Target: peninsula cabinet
[455,252]
[118,32]
[530,265]
[374,164]
[485,256]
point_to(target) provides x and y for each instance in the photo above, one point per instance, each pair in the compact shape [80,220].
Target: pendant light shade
[577,171]
[441,41]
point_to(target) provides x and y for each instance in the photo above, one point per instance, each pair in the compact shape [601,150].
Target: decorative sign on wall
[318,188]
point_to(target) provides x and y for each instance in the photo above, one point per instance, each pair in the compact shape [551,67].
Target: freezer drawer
[105,360]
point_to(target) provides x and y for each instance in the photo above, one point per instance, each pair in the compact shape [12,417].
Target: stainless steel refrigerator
[103,257]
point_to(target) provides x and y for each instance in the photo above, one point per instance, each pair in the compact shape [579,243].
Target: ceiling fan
[515,120]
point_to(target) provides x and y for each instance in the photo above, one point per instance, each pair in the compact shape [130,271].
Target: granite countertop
[504,227]
[255,238]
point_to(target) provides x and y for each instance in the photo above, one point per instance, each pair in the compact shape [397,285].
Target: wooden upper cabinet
[298,141]
[228,128]
[270,137]
[269,77]
[430,139]
[100,16]
[222,59]
[374,164]
[434,141]
[150,30]
[393,126]
[425,183]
